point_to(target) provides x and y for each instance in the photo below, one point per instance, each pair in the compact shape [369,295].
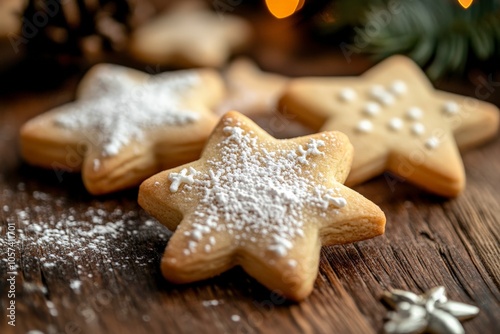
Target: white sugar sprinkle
[364,126]
[312,149]
[235,318]
[432,143]
[347,94]
[338,202]
[39,195]
[414,113]
[96,164]
[371,108]
[249,191]
[386,99]
[75,285]
[395,124]
[122,110]
[179,178]
[417,129]
[376,91]
[213,302]
[398,87]
[450,108]
[52,309]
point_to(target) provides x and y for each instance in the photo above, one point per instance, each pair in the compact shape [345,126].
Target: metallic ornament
[431,312]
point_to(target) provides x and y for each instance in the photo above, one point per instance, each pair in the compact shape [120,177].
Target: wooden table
[91,264]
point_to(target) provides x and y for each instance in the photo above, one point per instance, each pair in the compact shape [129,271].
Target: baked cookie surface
[264,204]
[125,125]
[396,122]
[11,16]
[251,91]
[189,35]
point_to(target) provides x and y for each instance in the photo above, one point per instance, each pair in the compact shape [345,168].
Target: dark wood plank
[104,278]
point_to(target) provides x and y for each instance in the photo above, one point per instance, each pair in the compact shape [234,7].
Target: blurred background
[46,46]
[43,43]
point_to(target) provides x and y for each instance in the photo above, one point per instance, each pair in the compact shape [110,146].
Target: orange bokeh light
[465,3]
[284,8]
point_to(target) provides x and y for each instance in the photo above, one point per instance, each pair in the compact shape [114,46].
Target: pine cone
[75,28]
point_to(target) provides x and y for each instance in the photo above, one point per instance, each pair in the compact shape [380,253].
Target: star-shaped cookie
[396,122]
[264,204]
[125,126]
[11,12]
[250,90]
[189,35]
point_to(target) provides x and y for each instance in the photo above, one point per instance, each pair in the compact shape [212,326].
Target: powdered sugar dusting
[180,178]
[254,194]
[53,236]
[65,238]
[75,285]
[312,149]
[124,109]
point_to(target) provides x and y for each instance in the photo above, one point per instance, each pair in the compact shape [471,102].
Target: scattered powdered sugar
[253,193]
[212,302]
[64,238]
[48,235]
[120,110]
[51,307]
[75,285]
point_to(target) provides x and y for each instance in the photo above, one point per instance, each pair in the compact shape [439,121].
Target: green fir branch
[439,35]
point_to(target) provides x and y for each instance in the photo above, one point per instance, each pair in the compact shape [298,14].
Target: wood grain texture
[429,241]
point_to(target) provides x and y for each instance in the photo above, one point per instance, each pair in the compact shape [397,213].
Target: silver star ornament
[431,312]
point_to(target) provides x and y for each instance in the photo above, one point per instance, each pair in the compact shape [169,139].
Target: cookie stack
[234,194]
